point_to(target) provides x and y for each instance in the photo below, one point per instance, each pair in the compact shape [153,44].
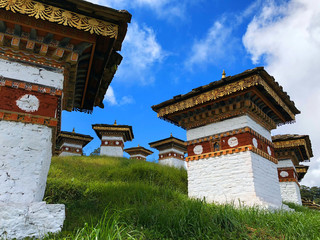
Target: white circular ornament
[174,154]
[198,149]
[284,174]
[78,150]
[28,103]
[255,142]
[169,154]
[106,142]
[67,148]
[233,141]
[117,143]
[269,150]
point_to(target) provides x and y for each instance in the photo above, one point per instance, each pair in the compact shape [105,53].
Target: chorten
[54,55]
[230,152]
[72,143]
[291,150]
[113,137]
[171,151]
[139,153]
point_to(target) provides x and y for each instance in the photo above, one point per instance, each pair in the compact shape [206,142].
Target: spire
[223,74]
[115,122]
[171,135]
[73,131]
[138,145]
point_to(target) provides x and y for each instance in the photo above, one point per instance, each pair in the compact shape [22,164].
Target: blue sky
[174,46]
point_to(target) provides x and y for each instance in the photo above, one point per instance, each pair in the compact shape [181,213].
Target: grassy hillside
[116,198]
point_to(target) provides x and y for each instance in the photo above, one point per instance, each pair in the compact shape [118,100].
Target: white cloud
[163,8]
[110,98]
[141,51]
[286,37]
[220,45]
[212,48]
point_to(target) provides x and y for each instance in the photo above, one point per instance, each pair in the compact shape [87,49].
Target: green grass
[116,198]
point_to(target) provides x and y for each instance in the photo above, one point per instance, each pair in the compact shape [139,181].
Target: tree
[312,194]
[95,152]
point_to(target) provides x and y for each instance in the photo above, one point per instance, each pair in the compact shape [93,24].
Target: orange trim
[29,86]
[234,150]
[289,180]
[24,118]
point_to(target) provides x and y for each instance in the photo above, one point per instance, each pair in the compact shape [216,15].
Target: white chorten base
[244,179]
[68,146]
[19,221]
[25,157]
[290,192]
[173,162]
[113,151]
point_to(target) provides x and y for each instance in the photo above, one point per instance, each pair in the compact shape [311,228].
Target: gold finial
[223,74]
[138,145]
[73,131]
[170,134]
[115,122]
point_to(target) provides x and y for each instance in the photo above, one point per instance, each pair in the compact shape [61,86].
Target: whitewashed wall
[25,153]
[18,221]
[110,150]
[227,125]
[27,73]
[239,178]
[173,162]
[285,163]
[290,192]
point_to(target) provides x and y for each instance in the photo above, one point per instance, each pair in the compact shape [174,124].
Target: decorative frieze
[287,175]
[29,86]
[221,144]
[112,143]
[60,16]
[171,154]
[24,101]
[27,118]
[68,149]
